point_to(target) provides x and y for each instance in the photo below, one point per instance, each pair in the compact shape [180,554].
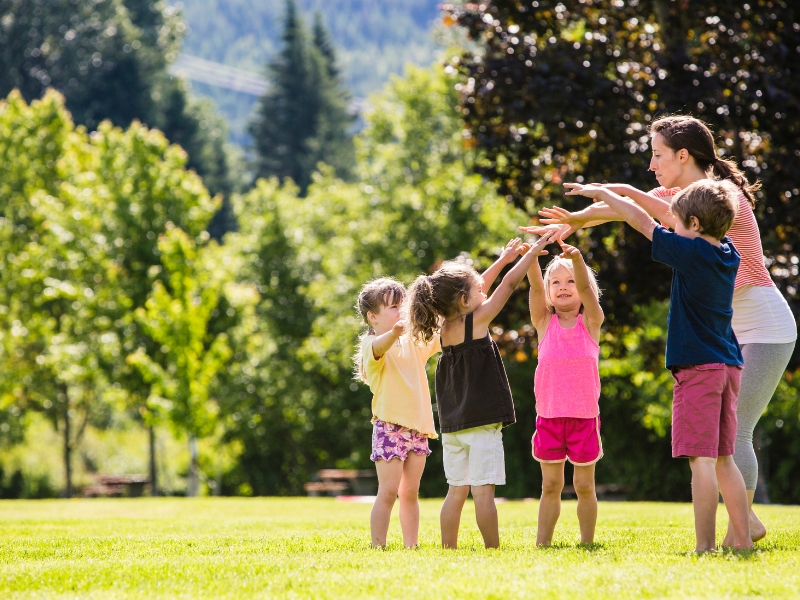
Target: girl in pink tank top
[565,310]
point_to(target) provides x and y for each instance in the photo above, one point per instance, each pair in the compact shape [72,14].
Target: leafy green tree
[80,219]
[302,119]
[183,371]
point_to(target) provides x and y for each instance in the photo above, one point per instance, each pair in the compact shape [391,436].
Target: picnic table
[117,486]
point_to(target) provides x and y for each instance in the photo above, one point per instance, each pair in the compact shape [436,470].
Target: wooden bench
[334,482]
[117,486]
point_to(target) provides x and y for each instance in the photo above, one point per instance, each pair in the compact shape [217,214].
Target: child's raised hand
[548,237]
[570,252]
[399,328]
[512,249]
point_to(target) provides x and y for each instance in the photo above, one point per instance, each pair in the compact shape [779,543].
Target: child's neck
[568,317]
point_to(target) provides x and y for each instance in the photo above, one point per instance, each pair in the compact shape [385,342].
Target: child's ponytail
[434,297]
[422,316]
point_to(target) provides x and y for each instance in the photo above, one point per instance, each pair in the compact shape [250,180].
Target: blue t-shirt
[699,324]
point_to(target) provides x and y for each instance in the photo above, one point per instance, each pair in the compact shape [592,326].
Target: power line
[219,75]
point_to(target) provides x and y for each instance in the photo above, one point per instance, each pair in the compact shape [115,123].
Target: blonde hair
[567,264]
[713,203]
[374,295]
[434,297]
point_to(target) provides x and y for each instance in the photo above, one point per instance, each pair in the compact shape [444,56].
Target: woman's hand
[594,191]
[561,231]
[560,216]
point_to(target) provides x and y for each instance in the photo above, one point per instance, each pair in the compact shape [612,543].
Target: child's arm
[592,311]
[630,212]
[512,249]
[494,304]
[536,299]
[658,208]
[382,343]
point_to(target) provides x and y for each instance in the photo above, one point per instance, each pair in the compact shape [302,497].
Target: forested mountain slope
[374,38]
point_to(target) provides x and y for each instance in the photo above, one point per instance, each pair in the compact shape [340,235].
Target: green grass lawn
[318,547]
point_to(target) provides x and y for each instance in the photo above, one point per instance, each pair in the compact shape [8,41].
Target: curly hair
[434,297]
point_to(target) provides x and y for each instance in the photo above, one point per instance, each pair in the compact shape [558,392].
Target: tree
[183,369]
[302,119]
[80,219]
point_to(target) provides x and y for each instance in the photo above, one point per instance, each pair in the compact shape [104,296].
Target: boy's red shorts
[567,438]
[704,409]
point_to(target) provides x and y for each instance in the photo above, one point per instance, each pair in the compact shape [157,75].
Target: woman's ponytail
[727,169]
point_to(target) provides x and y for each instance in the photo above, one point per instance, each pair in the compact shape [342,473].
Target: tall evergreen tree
[303,118]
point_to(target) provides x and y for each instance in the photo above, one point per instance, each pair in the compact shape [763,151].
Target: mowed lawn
[319,548]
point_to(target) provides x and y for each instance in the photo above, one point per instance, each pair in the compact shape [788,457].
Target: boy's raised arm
[630,212]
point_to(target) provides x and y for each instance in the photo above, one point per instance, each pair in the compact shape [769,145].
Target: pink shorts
[395,441]
[567,438]
[704,409]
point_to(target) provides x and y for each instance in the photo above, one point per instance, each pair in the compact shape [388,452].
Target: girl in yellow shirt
[402,418]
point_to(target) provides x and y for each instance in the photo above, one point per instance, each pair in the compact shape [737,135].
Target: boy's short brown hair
[713,203]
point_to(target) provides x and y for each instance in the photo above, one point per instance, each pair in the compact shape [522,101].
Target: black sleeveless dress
[471,384]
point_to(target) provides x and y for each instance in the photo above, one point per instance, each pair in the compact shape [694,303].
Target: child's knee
[583,486]
[552,485]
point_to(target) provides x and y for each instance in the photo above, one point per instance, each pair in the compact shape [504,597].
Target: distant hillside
[374,39]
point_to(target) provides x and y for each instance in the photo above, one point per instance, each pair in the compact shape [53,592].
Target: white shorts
[474,456]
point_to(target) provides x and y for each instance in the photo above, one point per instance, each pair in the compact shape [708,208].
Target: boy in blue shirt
[702,351]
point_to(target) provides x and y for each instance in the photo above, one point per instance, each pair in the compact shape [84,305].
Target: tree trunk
[153,481]
[191,489]
[67,447]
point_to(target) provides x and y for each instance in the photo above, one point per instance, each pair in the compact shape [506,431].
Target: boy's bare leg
[705,498]
[409,498]
[758,531]
[550,502]
[389,475]
[583,480]
[486,514]
[733,491]
[450,517]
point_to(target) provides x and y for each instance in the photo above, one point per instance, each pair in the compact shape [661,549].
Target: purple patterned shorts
[390,441]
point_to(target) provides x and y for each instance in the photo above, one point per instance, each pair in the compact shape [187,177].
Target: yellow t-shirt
[399,383]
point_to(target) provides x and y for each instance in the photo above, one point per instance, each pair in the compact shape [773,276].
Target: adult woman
[684,152]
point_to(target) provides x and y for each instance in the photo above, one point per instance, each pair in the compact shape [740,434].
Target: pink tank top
[567,382]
